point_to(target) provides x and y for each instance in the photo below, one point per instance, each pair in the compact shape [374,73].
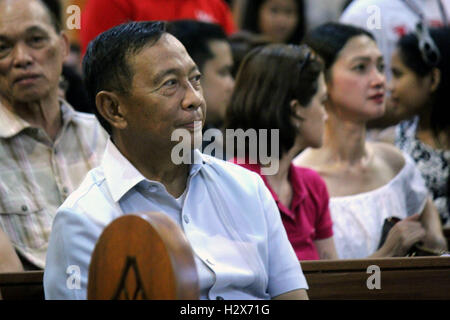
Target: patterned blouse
[434,164]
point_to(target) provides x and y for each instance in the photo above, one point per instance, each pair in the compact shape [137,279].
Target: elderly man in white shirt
[146,86]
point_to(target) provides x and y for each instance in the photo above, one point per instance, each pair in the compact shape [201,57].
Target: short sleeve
[285,272]
[71,244]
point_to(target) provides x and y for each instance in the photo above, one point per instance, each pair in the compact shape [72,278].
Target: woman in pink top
[282,87]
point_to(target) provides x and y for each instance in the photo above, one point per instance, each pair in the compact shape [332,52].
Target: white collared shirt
[229,218]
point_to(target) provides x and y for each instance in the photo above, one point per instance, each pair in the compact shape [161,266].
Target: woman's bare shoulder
[389,155]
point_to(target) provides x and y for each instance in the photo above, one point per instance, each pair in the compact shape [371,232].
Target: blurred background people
[420,87]
[281,21]
[368,182]
[282,87]
[388,21]
[242,42]
[101,15]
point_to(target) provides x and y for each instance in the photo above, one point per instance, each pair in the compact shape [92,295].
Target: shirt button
[186,218]
[24,208]
[219,298]
[65,190]
[152,188]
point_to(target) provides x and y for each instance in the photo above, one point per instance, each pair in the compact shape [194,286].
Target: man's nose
[193,98]
[21,56]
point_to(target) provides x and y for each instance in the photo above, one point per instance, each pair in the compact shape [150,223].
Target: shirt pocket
[23,220]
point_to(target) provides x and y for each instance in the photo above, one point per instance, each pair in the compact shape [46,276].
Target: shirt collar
[121,176]
[11,124]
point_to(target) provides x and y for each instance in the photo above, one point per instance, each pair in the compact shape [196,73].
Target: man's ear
[435,79]
[66,44]
[108,105]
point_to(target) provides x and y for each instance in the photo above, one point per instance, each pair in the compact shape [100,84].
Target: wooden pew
[137,259]
[447,235]
[27,285]
[401,278]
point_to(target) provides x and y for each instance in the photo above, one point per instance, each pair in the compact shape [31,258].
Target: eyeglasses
[428,49]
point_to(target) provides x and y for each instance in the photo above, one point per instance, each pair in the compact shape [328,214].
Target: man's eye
[36,39]
[170,83]
[4,49]
[197,78]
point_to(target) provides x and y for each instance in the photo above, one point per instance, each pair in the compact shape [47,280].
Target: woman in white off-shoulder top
[367,182]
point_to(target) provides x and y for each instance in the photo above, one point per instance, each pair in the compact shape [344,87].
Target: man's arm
[71,244]
[9,261]
[299,294]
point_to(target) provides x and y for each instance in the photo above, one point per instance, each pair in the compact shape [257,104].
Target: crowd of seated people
[97,136]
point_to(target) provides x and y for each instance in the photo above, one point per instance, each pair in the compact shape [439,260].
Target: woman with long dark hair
[420,86]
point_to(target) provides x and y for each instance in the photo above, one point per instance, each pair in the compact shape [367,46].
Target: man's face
[165,95]
[31,51]
[217,81]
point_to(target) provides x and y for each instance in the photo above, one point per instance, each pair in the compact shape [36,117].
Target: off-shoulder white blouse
[358,219]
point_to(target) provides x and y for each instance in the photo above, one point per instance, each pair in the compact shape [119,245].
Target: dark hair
[196,36]
[106,62]
[328,39]
[268,79]
[412,57]
[242,42]
[251,15]
[54,9]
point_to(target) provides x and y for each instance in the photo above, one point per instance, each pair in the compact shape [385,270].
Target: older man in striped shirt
[46,148]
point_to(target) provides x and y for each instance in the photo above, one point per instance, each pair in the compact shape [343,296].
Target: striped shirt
[37,174]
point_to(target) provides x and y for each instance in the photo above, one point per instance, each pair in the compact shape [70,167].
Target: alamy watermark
[73,20]
[374,281]
[74,279]
[374,19]
[248,146]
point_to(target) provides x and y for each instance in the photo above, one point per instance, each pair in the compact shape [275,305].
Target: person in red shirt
[101,15]
[282,87]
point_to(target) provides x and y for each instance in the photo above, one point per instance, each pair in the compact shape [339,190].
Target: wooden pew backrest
[142,259]
[400,278]
[27,285]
